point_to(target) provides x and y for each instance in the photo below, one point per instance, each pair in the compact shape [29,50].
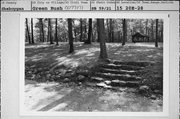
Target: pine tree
[71,49]
[124,32]
[101,34]
[88,41]
[32,35]
[56,37]
[156,41]
[27,29]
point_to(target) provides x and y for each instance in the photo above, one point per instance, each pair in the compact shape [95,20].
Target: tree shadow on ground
[43,60]
[50,62]
[92,99]
[57,54]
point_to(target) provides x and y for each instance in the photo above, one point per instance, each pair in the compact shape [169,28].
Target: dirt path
[62,97]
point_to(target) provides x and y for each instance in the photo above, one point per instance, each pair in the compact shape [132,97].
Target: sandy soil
[62,97]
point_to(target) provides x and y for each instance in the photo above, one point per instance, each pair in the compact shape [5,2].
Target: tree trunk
[71,49]
[111,40]
[147,27]
[40,31]
[43,31]
[56,37]
[50,31]
[108,30]
[101,34]
[124,32]
[98,29]
[161,31]
[42,28]
[81,30]
[88,41]
[32,36]
[112,31]
[152,30]
[27,29]
[156,40]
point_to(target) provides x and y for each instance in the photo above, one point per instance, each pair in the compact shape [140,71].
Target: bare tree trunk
[152,30]
[85,30]
[161,31]
[147,27]
[50,31]
[112,31]
[108,30]
[81,30]
[43,31]
[156,41]
[27,29]
[49,35]
[32,36]
[56,37]
[88,41]
[101,34]
[124,32]
[111,40]
[42,28]
[71,49]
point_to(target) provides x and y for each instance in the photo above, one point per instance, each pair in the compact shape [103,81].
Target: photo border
[166,50]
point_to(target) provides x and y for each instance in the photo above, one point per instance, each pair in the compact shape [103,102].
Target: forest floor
[59,81]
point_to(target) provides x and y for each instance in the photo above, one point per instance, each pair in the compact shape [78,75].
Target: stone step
[113,87]
[114,83]
[104,85]
[123,67]
[123,77]
[96,79]
[101,84]
[124,83]
[118,71]
[138,64]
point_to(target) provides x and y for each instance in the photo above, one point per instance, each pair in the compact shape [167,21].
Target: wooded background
[86,30]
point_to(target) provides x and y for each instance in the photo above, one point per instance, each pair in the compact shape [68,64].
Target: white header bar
[88,5]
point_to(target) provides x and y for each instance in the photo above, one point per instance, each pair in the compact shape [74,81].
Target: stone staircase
[117,74]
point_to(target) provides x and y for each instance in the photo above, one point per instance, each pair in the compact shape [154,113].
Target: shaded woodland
[54,30]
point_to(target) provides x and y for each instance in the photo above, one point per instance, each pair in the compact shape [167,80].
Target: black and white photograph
[93,65]
[84,59]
